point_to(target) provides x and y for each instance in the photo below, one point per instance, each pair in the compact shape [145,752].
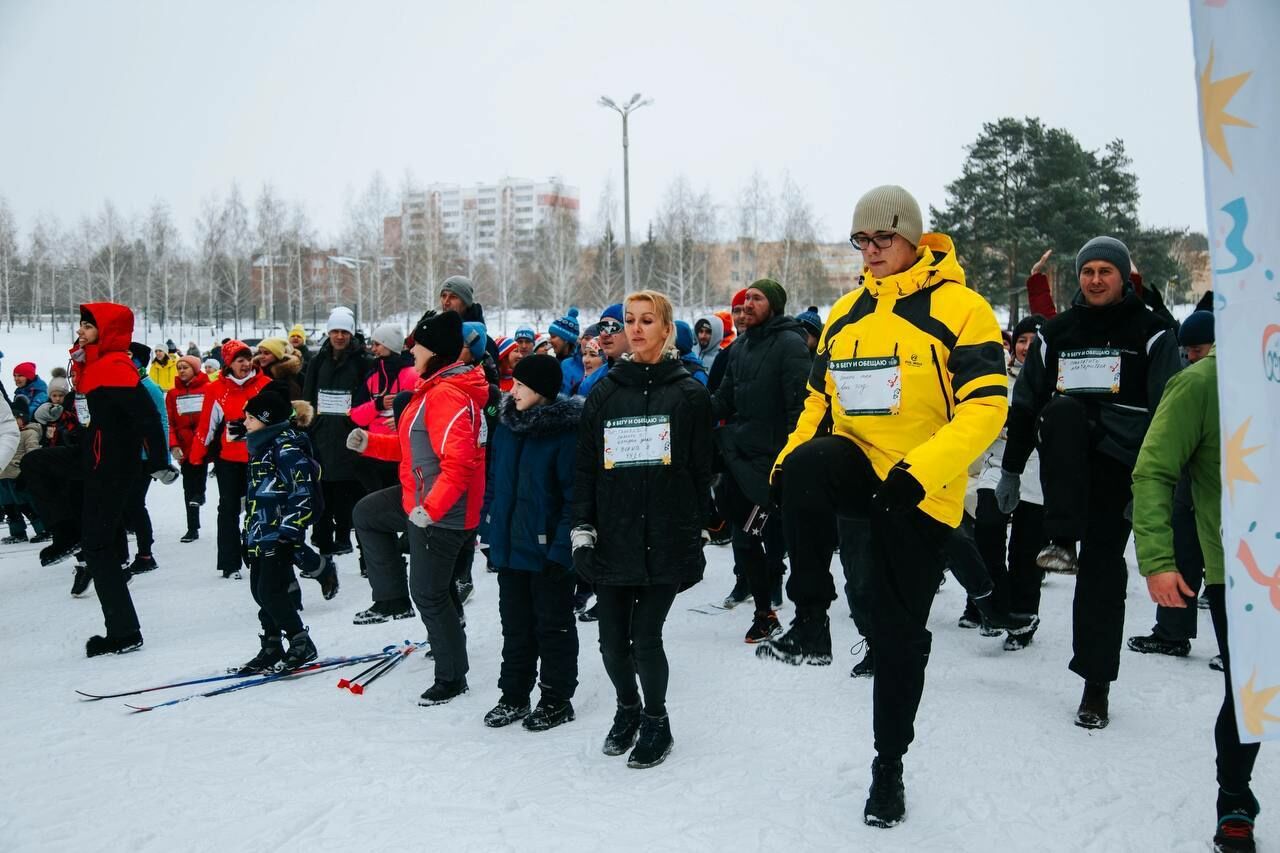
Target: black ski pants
[965,561]
[102,520]
[855,558]
[1235,759]
[631,620]
[136,516]
[1182,623]
[538,625]
[233,482]
[1016,577]
[275,589]
[333,527]
[759,558]
[54,476]
[194,480]
[1085,495]
[828,478]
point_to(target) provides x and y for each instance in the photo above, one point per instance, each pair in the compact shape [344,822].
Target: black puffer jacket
[760,397]
[336,378]
[643,476]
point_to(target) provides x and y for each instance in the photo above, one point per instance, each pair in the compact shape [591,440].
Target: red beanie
[233,348]
[739,298]
[27,370]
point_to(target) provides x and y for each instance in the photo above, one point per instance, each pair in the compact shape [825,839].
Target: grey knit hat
[390,336]
[462,287]
[1107,249]
[889,208]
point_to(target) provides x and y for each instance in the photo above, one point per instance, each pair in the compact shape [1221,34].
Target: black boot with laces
[887,798]
[271,653]
[622,734]
[653,743]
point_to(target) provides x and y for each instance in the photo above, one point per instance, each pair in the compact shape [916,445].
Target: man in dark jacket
[760,399]
[334,376]
[1085,397]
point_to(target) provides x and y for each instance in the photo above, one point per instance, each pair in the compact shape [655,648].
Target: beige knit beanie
[889,208]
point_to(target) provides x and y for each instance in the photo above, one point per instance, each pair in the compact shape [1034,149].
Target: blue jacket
[530,484]
[36,392]
[693,364]
[572,369]
[283,495]
[590,382]
[157,397]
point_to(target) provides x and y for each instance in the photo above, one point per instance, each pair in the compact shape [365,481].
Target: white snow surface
[767,756]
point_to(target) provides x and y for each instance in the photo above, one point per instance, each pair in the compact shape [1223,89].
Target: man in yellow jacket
[910,375]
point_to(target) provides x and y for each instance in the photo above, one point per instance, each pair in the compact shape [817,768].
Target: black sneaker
[1153,645]
[301,652]
[385,611]
[865,668]
[47,536]
[740,593]
[80,583]
[442,691]
[1215,663]
[112,645]
[190,536]
[1092,713]
[887,798]
[549,714]
[232,575]
[653,743]
[808,641]
[970,618]
[1058,557]
[1236,813]
[142,563]
[622,734]
[328,579]
[57,552]
[506,712]
[271,653]
[14,540]
[591,614]
[764,626]
[465,589]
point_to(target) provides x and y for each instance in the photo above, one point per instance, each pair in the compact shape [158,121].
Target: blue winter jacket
[36,392]
[530,484]
[572,370]
[590,382]
[157,397]
[283,495]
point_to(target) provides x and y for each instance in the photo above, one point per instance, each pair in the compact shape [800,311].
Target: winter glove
[357,440]
[419,517]
[775,488]
[55,411]
[165,475]
[1008,491]
[898,493]
[553,571]
[583,540]
[236,429]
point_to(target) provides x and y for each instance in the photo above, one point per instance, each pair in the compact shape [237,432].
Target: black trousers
[233,482]
[965,560]
[631,619]
[1182,623]
[333,527]
[855,558]
[136,517]
[1016,577]
[828,478]
[276,592]
[1085,495]
[1235,759]
[54,477]
[194,479]
[537,625]
[103,515]
[758,558]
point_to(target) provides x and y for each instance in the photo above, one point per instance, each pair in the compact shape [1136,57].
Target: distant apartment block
[480,218]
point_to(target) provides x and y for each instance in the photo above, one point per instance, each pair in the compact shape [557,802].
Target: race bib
[635,442]
[333,402]
[82,410]
[868,386]
[190,404]
[1089,371]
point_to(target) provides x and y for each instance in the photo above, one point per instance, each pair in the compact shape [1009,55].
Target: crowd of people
[592,466]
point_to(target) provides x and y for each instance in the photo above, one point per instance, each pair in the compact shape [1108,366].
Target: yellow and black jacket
[953,386]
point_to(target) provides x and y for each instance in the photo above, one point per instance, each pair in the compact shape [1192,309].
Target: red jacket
[439,446]
[388,376]
[184,403]
[224,401]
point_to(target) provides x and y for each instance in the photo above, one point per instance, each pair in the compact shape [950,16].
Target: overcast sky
[135,101]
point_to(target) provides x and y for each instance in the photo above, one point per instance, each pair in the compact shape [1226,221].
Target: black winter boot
[193,523]
[384,611]
[271,653]
[112,645]
[442,691]
[996,621]
[1092,713]
[622,734]
[808,641]
[653,743]
[549,714]
[301,652]
[887,798]
[865,668]
[506,712]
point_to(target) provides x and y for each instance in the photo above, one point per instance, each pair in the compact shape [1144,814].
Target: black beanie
[541,373]
[1029,323]
[1197,329]
[440,333]
[140,353]
[270,405]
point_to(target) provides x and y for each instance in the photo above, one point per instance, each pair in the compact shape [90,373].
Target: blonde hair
[662,307]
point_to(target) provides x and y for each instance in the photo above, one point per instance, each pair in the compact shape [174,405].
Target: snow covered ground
[766,756]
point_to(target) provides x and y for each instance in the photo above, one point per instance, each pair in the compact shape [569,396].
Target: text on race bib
[1089,371]
[82,410]
[634,442]
[333,402]
[190,404]
[868,386]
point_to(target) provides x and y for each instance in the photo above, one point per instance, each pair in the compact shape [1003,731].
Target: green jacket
[1184,434]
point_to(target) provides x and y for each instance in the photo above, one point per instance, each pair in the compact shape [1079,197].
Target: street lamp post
[626,109]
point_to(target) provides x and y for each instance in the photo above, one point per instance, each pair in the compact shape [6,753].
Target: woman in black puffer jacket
[641,502]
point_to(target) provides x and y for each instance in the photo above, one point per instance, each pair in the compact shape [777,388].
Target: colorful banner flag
[1238,75]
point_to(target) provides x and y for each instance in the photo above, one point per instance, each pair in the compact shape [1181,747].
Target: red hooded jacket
[439,446]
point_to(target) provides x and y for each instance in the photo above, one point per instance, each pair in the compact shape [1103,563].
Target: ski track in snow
[766,756]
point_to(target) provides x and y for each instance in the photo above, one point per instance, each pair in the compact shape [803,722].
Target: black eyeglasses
[609,326]
[881,241]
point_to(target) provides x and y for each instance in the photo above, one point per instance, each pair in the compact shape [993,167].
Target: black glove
[775,488]
[553,571]
[898,493]
[237,430]
[584,562]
